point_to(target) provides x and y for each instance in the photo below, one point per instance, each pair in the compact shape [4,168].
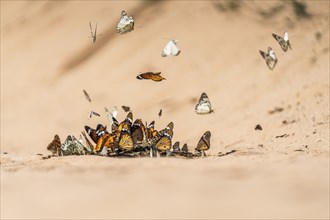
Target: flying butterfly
[204,105]
[283,41]
[55,145]
[151,75]
[160,113]
[125,24]
[171,49]
[93,113]
[87,96]
[126,108]
[204,143]
[269,57]
[93,35]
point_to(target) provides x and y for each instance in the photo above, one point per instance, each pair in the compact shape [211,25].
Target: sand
[279,172]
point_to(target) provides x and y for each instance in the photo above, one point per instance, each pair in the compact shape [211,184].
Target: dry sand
[47,60]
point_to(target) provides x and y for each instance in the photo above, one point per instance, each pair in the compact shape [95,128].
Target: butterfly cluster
[269,56]
[128,138]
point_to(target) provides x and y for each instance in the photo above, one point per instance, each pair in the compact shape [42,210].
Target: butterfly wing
[204,105]
[55,145]
[164,144]
[170,49]
[86,94]
[139,132]
[204,142]
[125,108]
[125,141]
[125,24]
[281,42]
[174,49]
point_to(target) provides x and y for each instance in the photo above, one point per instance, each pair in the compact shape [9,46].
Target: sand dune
[47,59]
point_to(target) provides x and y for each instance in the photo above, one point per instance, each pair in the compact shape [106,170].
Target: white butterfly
[269,57]
[125,24]
[171,49]
[204,105]
[283,41]
[111,116]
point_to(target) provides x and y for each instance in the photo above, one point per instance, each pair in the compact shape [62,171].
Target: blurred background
[47,59]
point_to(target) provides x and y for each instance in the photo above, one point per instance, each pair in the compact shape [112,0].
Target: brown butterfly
[185,148]
[93,113]
[151,75]
[139,132]
[160,113]
[55,145]
[126,108]
[127,123]
[90,145]
[87,96]
[176,146]
[95,134]
[204,143]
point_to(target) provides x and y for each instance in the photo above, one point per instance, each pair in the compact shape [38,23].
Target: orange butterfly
[151,75]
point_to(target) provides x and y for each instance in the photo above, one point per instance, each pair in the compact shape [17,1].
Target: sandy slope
[47,60]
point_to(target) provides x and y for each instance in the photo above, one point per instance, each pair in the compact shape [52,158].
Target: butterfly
[126,125]
[171,49]
[160,113]
[71,146]
[90,145]
[95,134]
[126,108]
[93,113]
[87,96]
[151,132]
[204,105]
[93,35]
[125,141]
[269,57]
[55,145]
[107,141]
[185,148]
[112,118]
[168,132]
[204,143]
[164,143]
[283,41]
[151,75]
[125,24]
[139,132]
[176,146]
